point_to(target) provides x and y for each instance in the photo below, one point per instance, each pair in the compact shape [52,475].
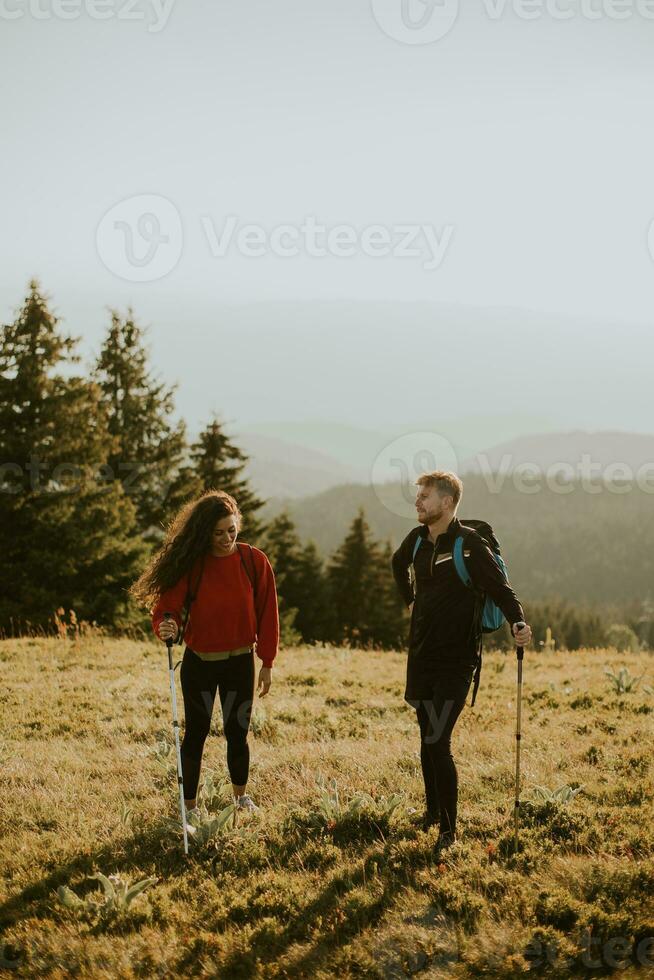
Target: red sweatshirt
[225,614]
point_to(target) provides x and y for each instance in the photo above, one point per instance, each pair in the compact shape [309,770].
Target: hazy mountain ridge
[364,364]
[581,546]
[281,467]
[551,451]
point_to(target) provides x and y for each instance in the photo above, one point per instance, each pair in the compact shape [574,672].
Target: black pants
[437,716]
[234,680]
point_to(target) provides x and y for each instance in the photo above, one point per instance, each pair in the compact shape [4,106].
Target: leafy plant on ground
[564,794]
[213,792]
[126,814]
[623,682]
[163,753]
[331,808]
[206,826]
[348,819]
[117,897]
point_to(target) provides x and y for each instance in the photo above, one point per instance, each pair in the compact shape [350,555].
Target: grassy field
[324,882]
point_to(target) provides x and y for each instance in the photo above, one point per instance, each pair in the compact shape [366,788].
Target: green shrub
[555,907]
[623,638]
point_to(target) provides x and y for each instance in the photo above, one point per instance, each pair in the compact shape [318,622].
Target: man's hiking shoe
[246,802]
[429,820]
[445,841]
[424,820]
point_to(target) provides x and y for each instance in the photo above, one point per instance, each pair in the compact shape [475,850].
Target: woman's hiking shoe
[246,802]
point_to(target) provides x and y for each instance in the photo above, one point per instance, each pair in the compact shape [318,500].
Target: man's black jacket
[442,628]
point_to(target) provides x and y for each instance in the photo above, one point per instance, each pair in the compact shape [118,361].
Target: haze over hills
[587,536]
[608,452]
[285,469]
[307,458]
[584,547]
[477,376]
[357,446]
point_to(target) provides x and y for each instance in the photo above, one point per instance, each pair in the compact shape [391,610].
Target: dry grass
[298,892]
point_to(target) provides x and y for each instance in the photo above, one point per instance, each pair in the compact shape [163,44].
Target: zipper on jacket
[433,556]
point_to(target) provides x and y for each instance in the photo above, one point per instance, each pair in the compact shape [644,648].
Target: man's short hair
[447,484]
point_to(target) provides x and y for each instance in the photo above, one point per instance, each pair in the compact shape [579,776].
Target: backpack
[191,593]
[487,616]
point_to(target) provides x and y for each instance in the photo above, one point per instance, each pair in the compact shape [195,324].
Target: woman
[234,605]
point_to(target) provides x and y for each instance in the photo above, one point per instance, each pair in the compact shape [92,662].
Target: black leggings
[234,680]
[437,717]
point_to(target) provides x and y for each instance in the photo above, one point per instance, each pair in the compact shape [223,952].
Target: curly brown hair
[188,537]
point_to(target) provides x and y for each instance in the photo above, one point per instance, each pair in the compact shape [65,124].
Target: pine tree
[391,618]
[215,462]
[66,535]
[148,446]
[283,548]
[32,400]
[311,596]
[353,576]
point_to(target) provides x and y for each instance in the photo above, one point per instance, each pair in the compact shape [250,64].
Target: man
[444,633]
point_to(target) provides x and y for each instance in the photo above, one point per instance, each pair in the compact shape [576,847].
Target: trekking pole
[516,810]
[173,696]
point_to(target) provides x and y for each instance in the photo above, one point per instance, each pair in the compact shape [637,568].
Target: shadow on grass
[153,851]
[338,924]
[326,921]
[331,919]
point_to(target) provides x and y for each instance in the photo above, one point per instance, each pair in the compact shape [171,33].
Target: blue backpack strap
[459,563]
[464,575]
[416,547]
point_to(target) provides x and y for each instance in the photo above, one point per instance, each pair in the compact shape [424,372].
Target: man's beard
[433,516]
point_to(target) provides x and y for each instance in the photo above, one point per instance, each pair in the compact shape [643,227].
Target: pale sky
[526,146]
